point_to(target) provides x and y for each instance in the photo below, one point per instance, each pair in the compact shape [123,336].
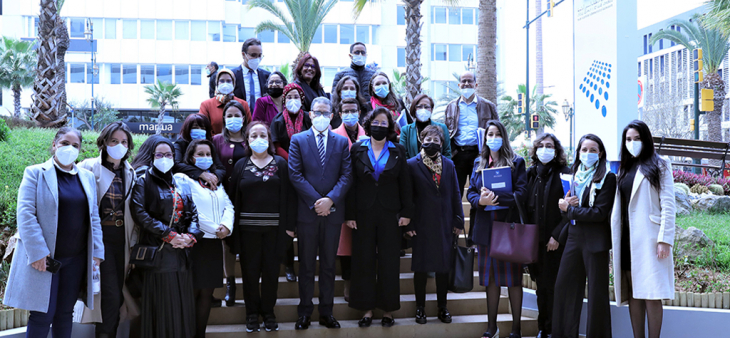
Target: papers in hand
[480,138]
[567,180]
[402,120]
[497,179]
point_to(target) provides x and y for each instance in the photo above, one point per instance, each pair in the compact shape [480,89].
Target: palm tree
[714,49]
[719,16]
[487,41]
[46,93]
[17,67]
[515,123]
[62,43]
[162,94]
[306,16]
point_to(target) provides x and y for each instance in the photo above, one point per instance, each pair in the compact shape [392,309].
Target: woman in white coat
[58,221]
[642,230]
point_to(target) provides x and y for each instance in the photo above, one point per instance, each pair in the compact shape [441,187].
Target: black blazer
[240,90]
[593,224]
[393,190]
[553,219]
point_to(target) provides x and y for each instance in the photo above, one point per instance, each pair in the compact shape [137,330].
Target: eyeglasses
[322,113]
[467,81]
[359,52]
[308,65]
[161,155]
[276,83]
[354,111]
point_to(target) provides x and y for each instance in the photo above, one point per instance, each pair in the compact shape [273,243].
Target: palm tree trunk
[160,118]
[538,60]
[413,49]
[16,100]
[487,60]
[62,42]
[45,90]
[714,118]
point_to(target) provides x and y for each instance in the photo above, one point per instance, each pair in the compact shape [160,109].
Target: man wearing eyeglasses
[358,55]
[251,80]
[320,172]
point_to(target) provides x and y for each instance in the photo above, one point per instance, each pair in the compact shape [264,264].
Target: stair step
[462,326]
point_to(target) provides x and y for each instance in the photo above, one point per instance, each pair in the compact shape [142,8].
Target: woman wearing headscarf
[213,108]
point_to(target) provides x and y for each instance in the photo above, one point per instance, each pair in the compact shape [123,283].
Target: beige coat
[651,219]
[104,179]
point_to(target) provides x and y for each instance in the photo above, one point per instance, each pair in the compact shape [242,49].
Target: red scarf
[375,102]
[293,127]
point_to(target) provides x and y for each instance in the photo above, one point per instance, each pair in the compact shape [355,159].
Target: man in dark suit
[250,79]
[321,182]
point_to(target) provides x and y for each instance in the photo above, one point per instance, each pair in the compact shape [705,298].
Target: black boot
[230,291]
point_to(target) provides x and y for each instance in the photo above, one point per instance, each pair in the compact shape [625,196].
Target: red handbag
[514,242]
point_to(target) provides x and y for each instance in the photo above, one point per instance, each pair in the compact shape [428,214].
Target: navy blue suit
[313,181]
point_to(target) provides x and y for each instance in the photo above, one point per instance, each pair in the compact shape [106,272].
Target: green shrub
[700,189]
[683,187]
[4,130]
[716,189]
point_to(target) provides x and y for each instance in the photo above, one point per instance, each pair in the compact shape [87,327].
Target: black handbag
[461,275]
[143,256]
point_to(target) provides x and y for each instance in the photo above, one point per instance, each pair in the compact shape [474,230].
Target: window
[245,33]
[439,15]
[164,73]
[401,15]
[454,16]
[129,74]
[645,44]
[195,75]
[661,44]
[76,73]
[214,31]
[282,38]
[182,30]
[679,60]
[146,74]
[147,29]
[182,74]
[197,30]
[375,35]
[77,28]
[164,29]
[439,52]
[317,35]
[401,56]
[110,28]
[229,33]
[116,73]
[347,35]
[32,27]
[466,51]
[454,52]
[98,27]
[661,65]
[330,33]
[650,45]
[90,77]
[639,67]
[328,74]
[467,16]
[266,36]
[363,34]
[651,68]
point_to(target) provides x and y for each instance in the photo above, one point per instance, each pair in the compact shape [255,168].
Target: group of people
[337,172]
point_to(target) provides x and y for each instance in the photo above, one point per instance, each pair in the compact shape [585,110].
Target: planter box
[12,318]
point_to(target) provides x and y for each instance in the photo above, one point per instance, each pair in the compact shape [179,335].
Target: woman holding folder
[493,273]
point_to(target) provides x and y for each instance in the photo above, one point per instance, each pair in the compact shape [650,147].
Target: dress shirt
[468,123]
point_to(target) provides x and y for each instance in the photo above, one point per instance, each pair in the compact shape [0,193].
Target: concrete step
[462,326]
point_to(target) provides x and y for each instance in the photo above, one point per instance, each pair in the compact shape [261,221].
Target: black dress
[627,184]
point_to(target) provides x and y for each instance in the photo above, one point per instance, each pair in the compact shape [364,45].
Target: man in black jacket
[211,70]
[358,55]
[250,79]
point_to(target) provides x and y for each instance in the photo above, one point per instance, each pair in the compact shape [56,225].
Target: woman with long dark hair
[348,88]
[587,244]
[196,126]
[544,191]
[144,156]
[382,95]
[642,227]
[494,273]
[307,75]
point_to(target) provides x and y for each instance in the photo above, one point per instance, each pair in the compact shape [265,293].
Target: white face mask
[359,60]
[116,152]
[225,88]
[634,148]
[545,155]
[254,63]
[321,123]
[164,164]
[293,105]
[423,115]
[66,155]
[467,92]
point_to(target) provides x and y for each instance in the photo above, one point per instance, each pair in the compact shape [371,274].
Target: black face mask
[431,149]
[378,132]
[276,92]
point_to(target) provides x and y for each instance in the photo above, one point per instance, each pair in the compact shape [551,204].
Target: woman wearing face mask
[195,127]
[268,106]
[293,120]
[307,75]
[163,208]
[587,244]
[381,200]
[142,159]
[544,190]
[382,95]
[114,181]
[438,218]
[493,273]
[265,208]
[410,135]
[213,108]
[58,221]
[215,221]
[348,88]
[642,227]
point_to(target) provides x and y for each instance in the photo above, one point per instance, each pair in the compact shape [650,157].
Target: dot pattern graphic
[596,83]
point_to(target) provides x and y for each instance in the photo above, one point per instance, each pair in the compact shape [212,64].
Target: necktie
[252,92]
[320,146]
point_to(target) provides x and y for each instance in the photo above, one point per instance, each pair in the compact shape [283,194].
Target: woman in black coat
[380,199]
[587,244]
[197,126]
[163,208]
[438,218]
[544,190]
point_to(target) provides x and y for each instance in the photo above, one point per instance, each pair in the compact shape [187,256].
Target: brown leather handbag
[514,242]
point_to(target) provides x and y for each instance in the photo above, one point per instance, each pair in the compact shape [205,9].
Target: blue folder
[497,179]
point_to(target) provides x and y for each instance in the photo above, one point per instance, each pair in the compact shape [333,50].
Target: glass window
[110,28]
[164,29]
[439,15]
[466,51]
[401,15]
[363,34]
[401,56]
[129,28]
[76,73]
[98,28]
[375,35]
[32,28]
[317,35]
[182,30]
[229,33]
[214,31]
[347,34]
[467,16]
[197,30]
[476,16]
[147,29]
[439,52]
[77,28]
[146,74]
[330,33]
[164,73]
[116,73]
[90,76]
[129,74]
[328,74]
[454,52]
[182,74]
[195,75]
[245,33]
[267,36]
[282,38]
[454,16]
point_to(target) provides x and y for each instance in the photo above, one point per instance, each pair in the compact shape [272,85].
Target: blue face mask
[348,94]
[234,124]
[197,134]
[203,162]
[382,91]
[349,119]
[588,159]
[494,143]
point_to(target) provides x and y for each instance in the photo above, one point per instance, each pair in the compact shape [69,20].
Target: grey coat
[27,287]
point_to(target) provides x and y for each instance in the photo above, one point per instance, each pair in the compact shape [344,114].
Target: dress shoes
[444,315]
[302,323]
[387,321]
[421,315]
[329,321]
[291,276]
[365,322]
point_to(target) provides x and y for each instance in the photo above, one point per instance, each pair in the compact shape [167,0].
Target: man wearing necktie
[250,79]
[319,171]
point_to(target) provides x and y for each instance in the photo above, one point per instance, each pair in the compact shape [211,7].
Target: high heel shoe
[489,335]
[230,291]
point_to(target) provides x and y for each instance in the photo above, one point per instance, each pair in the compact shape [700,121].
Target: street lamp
[89,35]
[569,113]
